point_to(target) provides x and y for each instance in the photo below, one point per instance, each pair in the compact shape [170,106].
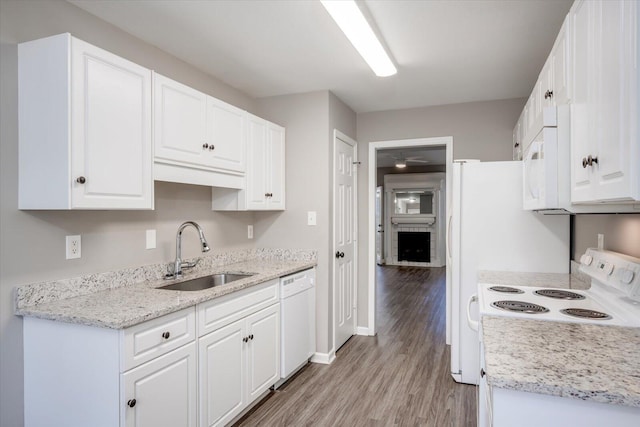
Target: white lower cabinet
[201,365]
[237,364]
[161,392]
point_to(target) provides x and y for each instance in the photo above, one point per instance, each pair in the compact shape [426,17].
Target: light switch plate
[151,239]
[311,218]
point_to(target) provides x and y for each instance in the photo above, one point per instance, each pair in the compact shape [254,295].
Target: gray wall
[309,119]
[621,233]
[480,130]
[32,243]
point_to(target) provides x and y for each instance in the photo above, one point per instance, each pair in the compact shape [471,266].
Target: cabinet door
[180,123]
[559,60]
[263,351]
[221,374]
[225,135]
[615,100]
[276,167]
[583,117]
[164,390]
[257,184]
[111,155]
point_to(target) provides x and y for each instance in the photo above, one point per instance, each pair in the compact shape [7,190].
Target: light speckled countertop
[123,306]
[582,361]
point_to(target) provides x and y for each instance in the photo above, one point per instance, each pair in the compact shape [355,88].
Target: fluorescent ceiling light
[354,25]
[401,164]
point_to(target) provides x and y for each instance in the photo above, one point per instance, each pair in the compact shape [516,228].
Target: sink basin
[205,282]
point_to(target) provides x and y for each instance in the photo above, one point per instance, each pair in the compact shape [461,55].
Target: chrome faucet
[179,264]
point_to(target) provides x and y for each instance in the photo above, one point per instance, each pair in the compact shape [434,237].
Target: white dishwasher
[298,320]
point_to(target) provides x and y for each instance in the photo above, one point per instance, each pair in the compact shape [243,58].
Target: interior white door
[379,226]
[344,240]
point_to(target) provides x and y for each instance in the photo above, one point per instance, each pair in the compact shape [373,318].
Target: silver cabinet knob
[205,145]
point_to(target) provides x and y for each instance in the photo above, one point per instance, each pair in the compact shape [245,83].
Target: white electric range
[613,299]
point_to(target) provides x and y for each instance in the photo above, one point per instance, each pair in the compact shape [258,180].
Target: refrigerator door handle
[473,324]
[449,237]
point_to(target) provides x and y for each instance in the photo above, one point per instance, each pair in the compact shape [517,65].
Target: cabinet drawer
[156,337]
[222,311]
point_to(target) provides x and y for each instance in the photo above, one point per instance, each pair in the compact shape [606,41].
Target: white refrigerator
[489,230]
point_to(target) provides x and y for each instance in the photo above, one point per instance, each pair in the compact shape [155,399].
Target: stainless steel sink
[206,282]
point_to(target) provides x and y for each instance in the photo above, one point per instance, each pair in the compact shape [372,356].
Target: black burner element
[520,307]
[559,294]
[585,314]
[506,290]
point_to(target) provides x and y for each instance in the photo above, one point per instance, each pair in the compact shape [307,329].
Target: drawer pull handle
[166,335]
[131,403]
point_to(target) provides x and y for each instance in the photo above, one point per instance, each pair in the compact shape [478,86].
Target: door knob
[339,254]
[131,403]
[81,180]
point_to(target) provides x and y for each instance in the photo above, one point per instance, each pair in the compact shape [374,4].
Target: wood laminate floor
[399,377]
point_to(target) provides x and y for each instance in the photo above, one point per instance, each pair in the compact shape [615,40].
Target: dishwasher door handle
[473,324]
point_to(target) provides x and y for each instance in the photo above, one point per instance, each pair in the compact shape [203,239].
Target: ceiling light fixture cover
[354,25]
[400,164]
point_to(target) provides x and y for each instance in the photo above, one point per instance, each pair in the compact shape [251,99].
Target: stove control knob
[608,268]
[626,276]
[586,259]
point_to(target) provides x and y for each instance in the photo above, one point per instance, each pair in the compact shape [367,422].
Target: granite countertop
[582,361]
[124,306]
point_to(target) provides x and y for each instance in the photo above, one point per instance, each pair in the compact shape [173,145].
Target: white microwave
[546,166]
[542,163]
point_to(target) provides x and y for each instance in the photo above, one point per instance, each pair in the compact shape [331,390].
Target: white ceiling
[446,52]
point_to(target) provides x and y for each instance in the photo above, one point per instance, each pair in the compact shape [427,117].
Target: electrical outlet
[250,231]
[74,247]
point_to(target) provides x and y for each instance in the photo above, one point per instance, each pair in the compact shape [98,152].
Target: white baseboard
[363,330]
[324,358]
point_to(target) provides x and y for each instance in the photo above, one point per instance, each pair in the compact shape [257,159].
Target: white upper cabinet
[85,128]
[551,88]
[180,114]
[225,135]
[265,178]
[604,127]
[559,93]
[198,139]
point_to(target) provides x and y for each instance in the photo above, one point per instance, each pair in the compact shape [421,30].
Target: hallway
[399,377]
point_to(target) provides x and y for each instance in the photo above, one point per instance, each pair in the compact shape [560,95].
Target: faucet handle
[186,264]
